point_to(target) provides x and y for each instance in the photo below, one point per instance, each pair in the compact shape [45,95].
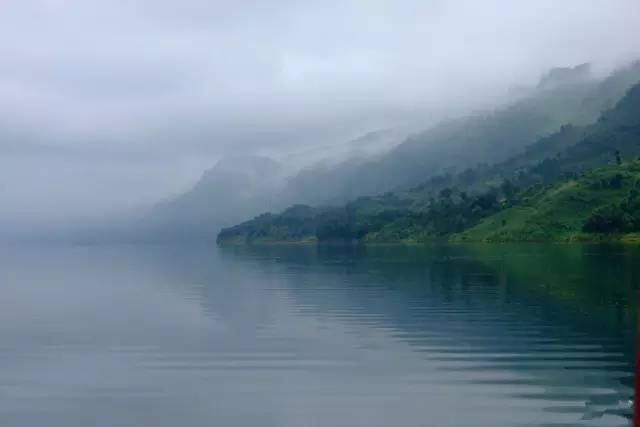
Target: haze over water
[328,336]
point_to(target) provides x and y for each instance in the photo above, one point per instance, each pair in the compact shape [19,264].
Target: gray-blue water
[185,336]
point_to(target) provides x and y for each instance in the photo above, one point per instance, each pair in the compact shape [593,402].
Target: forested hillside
[457,153]
[477,200]
[592,206]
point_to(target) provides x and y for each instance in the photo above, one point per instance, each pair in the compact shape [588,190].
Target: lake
[477,335]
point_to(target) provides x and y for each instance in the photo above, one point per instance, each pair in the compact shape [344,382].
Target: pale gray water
[304,336]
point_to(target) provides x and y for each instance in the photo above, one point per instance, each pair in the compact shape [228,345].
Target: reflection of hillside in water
[536,322]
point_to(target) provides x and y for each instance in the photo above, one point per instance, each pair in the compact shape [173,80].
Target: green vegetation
[600,201]
[573,184]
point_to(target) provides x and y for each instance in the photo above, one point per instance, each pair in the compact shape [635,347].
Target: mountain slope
[564,95]
[490,137]
[451,204]
[235,187]
[568,210]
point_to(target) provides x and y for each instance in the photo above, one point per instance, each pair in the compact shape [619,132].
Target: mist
[110,106]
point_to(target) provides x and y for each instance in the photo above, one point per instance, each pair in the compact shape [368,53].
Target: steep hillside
[490,137]
[334,166]
[473,144]
[451,204]
[236,187]
[602,201]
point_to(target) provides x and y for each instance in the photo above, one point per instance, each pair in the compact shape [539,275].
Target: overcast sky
[106,104]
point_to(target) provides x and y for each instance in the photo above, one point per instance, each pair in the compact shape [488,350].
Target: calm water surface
[301,336]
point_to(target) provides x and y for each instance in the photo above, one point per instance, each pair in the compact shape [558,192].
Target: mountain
[561,76]
[236,187]
[492,137]
[365,146]
[335,167]
[450,204]
[241,187]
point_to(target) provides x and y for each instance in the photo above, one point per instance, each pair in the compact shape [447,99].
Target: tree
[616,181]
[508,189]
[446,193]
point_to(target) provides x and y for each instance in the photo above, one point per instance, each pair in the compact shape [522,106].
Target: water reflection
[331,336]
[550,323]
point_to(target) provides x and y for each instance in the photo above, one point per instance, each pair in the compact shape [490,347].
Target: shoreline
[628,239]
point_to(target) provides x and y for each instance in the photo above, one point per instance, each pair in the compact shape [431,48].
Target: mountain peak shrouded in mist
[256,170]
[364,146]
[235,186]
[247,163]
[243,185]
[559,76]
[554,78]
